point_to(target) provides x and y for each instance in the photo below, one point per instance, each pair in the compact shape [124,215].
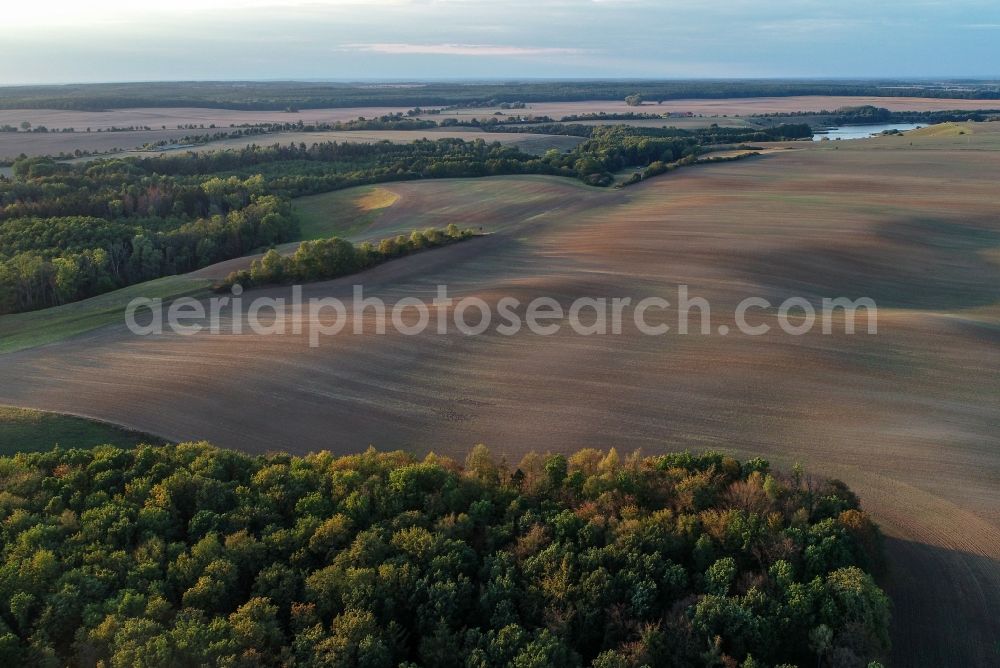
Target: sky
[59,41]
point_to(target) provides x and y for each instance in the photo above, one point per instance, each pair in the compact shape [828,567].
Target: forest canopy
[193,555]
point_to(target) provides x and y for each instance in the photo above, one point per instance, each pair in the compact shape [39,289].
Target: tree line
[863,114]
[193,555]
[713,134]
[326,259]
[292,96]
[71,232]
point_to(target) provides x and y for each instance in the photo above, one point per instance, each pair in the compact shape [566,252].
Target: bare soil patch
[156,117]
[13,144]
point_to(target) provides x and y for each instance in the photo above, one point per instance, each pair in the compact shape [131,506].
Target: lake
[863,131]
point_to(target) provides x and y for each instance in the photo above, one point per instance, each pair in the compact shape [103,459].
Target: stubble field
[157,117]
[14,144]
[909,417]
[756,105]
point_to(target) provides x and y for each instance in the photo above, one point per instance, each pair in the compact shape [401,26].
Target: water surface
[862,131]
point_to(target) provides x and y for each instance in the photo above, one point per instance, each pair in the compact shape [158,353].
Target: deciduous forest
[192,555]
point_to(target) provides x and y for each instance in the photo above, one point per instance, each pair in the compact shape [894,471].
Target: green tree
[820,642]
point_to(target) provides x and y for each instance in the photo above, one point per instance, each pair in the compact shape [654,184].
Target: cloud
[812,25]
[399,48]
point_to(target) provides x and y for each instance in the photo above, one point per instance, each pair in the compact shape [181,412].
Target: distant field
[156,117]
[743,106]
[532,143]
[675,122]
[279,95]
[907,417]
[24,430]
[724,112]
[13,144]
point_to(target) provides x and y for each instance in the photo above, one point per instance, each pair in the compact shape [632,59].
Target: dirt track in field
[909,417]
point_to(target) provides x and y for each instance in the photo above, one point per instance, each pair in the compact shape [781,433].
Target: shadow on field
[942,622]
[915,264]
